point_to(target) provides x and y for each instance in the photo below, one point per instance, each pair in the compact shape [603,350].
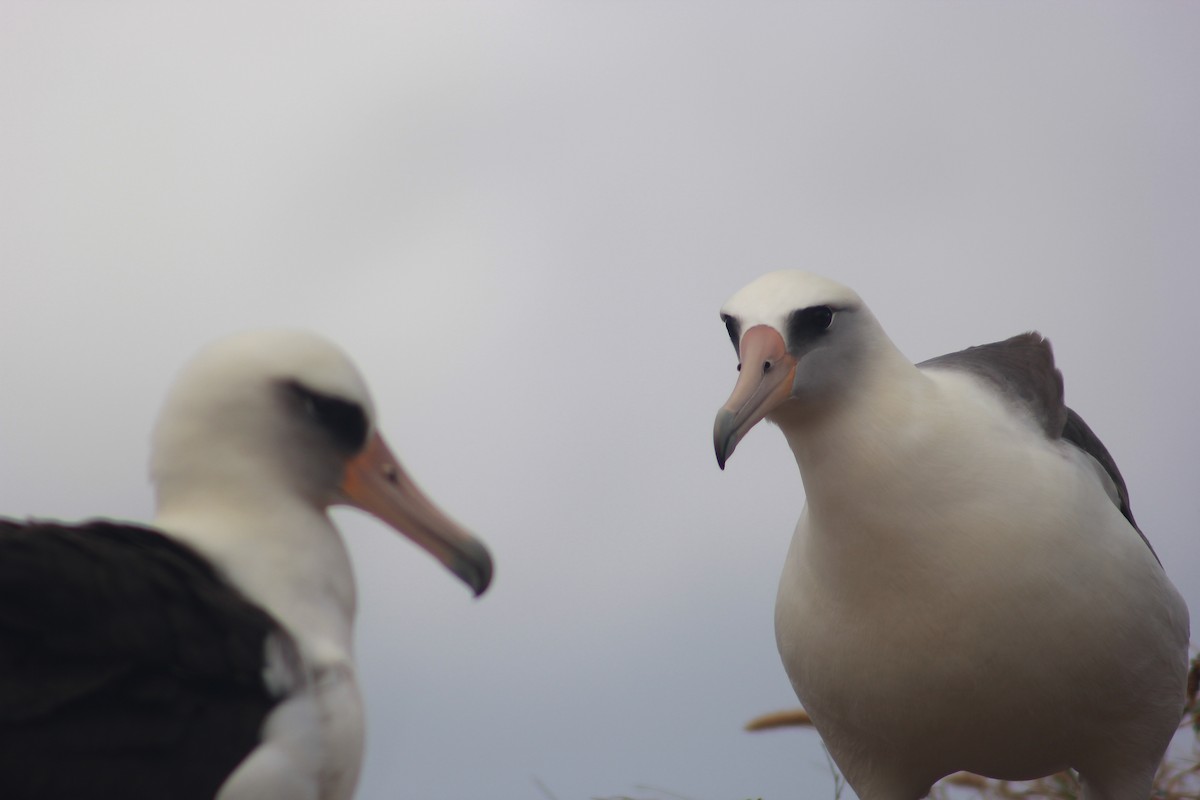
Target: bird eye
[342,419]
[309,405]
[732,327]
[804,324]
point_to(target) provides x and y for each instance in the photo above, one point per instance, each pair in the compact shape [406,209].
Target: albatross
[210,653]
[966,588]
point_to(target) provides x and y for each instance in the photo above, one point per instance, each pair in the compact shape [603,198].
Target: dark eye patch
[344,420]
[731,325]
[806,324]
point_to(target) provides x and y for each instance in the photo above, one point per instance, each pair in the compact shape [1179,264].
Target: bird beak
[376,483]
[765,381]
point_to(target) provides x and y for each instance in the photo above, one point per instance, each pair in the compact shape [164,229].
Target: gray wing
[1023,368]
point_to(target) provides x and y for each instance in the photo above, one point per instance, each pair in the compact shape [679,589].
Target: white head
[284,416]
[801,340]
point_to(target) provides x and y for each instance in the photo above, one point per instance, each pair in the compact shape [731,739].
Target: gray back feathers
[1022,368]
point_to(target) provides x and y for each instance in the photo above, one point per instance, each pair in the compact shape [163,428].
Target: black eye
[731,325]
[807,323]
[344,420]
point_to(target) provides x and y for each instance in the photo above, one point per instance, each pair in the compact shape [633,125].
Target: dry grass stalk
[779,719]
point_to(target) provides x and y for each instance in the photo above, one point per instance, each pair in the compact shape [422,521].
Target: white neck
[847,445]
[285,556]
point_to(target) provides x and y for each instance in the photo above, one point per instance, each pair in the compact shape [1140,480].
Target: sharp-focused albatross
[966,588]
[210,655]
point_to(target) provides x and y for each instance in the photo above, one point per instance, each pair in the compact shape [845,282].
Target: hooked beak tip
[482,584]
[475,568]
[724,436]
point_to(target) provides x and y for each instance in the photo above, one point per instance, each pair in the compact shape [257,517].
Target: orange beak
[767,373]
[376,483]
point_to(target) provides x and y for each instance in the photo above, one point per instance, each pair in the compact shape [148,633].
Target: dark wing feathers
[1023,368]
[1079,434]
[128,667]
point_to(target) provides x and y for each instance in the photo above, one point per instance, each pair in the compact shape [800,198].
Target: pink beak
[765,381]
[376,483]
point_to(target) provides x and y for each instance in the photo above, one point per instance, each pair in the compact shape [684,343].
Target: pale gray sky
[521,218]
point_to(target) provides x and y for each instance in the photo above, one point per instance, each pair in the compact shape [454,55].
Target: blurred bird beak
[376,483]
[765,381]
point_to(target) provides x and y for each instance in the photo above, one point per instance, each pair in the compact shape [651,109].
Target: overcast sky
[521,218]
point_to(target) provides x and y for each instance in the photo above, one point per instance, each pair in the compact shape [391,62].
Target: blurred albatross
[966,588]
[211,654]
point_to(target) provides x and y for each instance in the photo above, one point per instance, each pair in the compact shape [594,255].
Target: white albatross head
[801,341]
[283,416]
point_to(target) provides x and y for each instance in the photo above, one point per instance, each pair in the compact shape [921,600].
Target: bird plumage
[136,658]
[965,589]
[212,653]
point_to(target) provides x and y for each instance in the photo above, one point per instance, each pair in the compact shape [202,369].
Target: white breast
[297,568]
[975,607]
